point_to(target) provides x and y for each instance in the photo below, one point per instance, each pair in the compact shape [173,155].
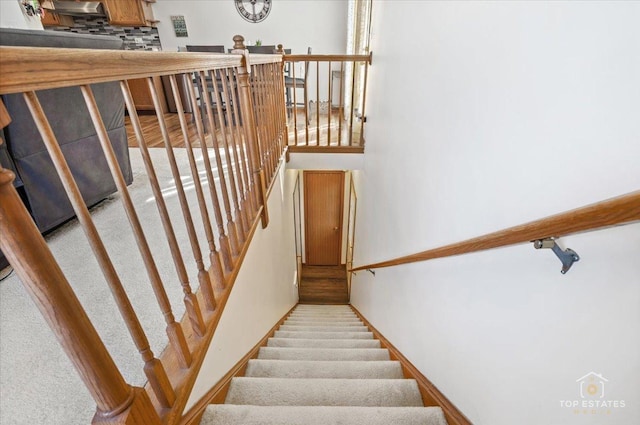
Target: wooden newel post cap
[280,49]
[238,42]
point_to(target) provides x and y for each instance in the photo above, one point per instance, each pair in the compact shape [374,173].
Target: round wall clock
[253,10]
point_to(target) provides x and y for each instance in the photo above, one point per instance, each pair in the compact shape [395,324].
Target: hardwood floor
[153,136]
[321,131]
[323,285]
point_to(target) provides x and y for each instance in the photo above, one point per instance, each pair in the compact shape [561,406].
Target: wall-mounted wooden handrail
[616,211]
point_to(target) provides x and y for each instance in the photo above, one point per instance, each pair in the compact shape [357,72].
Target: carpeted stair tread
[324,392]
[323,343]
[324,335]
[321,314]
[262,368]
[310,328]
[325,322]
[333,354]
[221,414]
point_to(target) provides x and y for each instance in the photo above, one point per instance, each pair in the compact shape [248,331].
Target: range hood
[78,8]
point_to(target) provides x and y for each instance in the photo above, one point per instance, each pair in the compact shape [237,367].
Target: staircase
[323,367]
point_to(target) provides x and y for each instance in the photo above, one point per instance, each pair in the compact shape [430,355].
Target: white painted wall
[295,24]
[484,115]
[12,16]
[262,294]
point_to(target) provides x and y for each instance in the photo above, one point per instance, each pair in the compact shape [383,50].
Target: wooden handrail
[328,58]
[38,68]
[620,210]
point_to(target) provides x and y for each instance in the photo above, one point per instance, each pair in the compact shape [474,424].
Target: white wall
[262,294]
[484,115]
[295,24]
[11,16]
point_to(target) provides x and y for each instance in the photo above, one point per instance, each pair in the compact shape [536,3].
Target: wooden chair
[209,83]
[291,83]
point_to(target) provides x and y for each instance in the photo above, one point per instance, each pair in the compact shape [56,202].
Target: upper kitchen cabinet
[129,12]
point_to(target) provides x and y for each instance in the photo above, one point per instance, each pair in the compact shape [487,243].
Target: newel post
[249,124]
[28,253]
[285,112]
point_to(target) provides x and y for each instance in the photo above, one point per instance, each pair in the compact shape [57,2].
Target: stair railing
[241,139]
[621,210]
[325,101]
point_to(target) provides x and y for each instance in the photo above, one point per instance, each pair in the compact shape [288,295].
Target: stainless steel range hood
[78,8]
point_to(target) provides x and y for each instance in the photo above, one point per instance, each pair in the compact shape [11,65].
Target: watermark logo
[592,385]
[594,399]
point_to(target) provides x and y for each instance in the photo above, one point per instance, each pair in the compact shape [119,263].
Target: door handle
[335,228]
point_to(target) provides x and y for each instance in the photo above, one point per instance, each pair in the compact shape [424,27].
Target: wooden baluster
[250,200]
[225,245]
[235,188]
[237,144]
[246,106]
[329,106]
[203,276]
[231,225]
[283,128]
[190,300]
[295,104]
[153,368]
[28,253]
[174,330]
[212,183]
[353,91]
[341,106]
[273,120]
[363,117]
[276,85]
[261,118]
[307,120]
[317,103]
[257,106]
[256,193]
[214,256]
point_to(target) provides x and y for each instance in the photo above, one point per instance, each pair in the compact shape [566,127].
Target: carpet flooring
[38,384]
[323,367]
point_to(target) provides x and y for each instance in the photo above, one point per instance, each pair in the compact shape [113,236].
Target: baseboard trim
[218,393]
[431,396]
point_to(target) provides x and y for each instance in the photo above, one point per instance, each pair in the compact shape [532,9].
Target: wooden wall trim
[624,209]
[218,393]
[431,396]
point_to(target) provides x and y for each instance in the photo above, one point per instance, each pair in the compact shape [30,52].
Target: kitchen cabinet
[142,96]
[129,12]
[52,19]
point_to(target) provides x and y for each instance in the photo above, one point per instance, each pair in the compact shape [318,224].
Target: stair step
[285,353]
[321,307]
[221,414]
[261,368]
[324,335]
[324,392]
[325,319]
[320,314]
[310,328]
[321,322]
[323,343]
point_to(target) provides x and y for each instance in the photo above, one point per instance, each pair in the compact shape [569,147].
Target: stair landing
[323,285]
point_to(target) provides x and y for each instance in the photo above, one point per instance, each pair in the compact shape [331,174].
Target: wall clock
[253,10]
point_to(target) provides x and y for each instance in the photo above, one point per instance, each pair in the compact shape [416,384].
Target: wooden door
[323,208]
